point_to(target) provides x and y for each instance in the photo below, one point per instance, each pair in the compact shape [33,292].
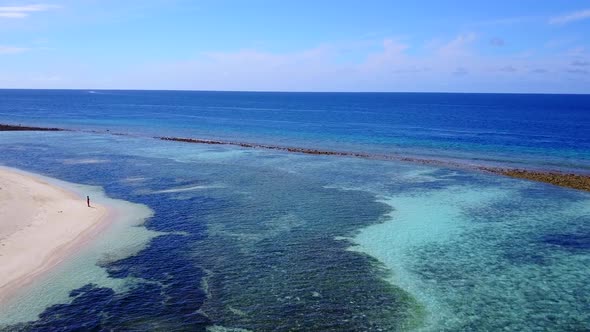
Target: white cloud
[23,11]
[392,53]
[457,46]
[571,17]
[11,49]
[390,64]
[12,14]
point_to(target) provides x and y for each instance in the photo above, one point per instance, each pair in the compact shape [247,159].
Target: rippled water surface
[546,131]
[261,240]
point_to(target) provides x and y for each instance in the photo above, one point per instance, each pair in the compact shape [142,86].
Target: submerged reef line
[569,180]
[7,127]
[269,147]
[578,181]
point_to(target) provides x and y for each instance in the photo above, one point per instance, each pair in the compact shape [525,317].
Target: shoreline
[33,245]
[572,180]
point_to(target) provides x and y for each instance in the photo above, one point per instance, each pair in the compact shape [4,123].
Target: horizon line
[318,92]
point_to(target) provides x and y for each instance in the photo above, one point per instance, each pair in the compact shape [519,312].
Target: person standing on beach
[88,201]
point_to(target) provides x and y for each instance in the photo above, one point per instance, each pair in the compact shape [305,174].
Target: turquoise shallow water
[121,239]
[263,240]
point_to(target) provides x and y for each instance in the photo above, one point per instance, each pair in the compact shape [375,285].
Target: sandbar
[41,224]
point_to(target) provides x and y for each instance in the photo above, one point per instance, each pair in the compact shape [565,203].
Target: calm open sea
[549,131]
[261,240]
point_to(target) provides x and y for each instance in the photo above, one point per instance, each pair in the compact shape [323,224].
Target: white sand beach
[41,224]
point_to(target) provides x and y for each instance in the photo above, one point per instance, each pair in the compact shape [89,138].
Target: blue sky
[447,46]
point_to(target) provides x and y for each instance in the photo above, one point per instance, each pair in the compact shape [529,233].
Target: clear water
[263,240]
[121,239]
[546,131]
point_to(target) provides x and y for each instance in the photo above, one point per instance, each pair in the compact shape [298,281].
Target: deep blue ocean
[547,131]
[260,240]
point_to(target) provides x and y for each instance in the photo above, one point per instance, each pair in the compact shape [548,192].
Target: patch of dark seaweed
[574,235]
[569,241]
[300,277]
